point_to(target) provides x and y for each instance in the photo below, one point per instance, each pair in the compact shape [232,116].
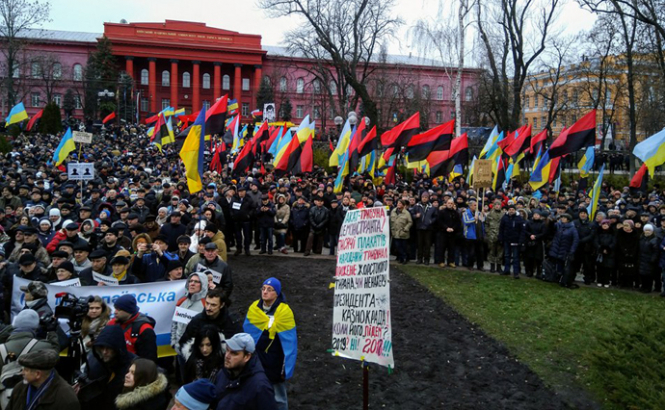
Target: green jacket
[492,222]
[17,341]
[400,224]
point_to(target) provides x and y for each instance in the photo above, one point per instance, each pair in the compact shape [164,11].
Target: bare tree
[514,34]
[445,37]
[50,74]
[16,17]
[554,78]
[628,32]
[348,33]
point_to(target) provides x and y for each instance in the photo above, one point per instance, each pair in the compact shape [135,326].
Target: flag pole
[365,386]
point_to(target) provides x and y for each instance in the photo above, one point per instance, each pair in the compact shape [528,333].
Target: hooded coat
[104,381]
[194,302]
[152,396]
[565,241]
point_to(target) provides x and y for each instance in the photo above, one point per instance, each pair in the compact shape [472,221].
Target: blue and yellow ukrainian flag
[17,114]
[541,170]
[192,153]
[652,151]
[283,325]
[66,146]
[491,142]
[342,144]
[595,194]
[179,112]
[586,163]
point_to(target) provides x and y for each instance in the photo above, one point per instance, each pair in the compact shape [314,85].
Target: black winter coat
[318,218]
[628,248]
[225,323]
[586,231]
[534,247]
[648,255]
[266,218]
[606,242]
[337,216]
[427,218]
[103,382]
[448,218]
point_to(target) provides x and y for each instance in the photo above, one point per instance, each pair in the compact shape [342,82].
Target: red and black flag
[521,143]
[301,159]
[442,162]
[401,134]
[538,142]
[261,136]
[161,134]
[368,144]
[245,159]
[216,117]
[108,118]
[216,162]
[152,119]
[436,139]
[34,120]
[390,175]
[640,179]
[581,135]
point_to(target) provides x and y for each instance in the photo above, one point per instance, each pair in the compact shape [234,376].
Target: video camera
[72,308]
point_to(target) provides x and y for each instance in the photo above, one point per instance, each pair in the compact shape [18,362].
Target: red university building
[187,65]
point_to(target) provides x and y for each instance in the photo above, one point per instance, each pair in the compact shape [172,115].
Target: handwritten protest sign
[361,313]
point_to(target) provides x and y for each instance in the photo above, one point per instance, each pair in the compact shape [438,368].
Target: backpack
[12,371]
[11,374]
[138,325]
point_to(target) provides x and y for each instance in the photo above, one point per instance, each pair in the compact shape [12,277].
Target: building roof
[79,36]
[59,35]
[391,58]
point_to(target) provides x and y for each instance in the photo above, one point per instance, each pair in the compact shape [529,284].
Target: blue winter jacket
[565,240]
[512,229]
[251,390]
[471,225]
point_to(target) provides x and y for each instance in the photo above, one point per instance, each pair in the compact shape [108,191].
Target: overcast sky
[242,16]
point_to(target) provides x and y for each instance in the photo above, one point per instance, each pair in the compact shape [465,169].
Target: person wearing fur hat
[144,388]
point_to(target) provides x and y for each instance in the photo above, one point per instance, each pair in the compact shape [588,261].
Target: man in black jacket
[511,234]
[536,230]
[318,221]
[216,314]
[242,209]
[425,217]
[585,256]
[449,225]
[173,230]
[101,382]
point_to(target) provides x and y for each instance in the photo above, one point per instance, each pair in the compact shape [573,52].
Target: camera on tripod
[72,308]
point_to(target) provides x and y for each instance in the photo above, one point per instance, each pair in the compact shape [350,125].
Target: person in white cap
[242,383]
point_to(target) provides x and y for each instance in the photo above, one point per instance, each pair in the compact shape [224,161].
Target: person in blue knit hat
[139,329]
[197,395]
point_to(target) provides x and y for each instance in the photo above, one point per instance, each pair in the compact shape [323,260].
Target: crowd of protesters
[136,222]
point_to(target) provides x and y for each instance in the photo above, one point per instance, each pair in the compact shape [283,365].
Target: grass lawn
[608,342]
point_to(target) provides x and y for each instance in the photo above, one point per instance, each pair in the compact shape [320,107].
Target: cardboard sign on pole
[361,311]
[82,137]
[482,173]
